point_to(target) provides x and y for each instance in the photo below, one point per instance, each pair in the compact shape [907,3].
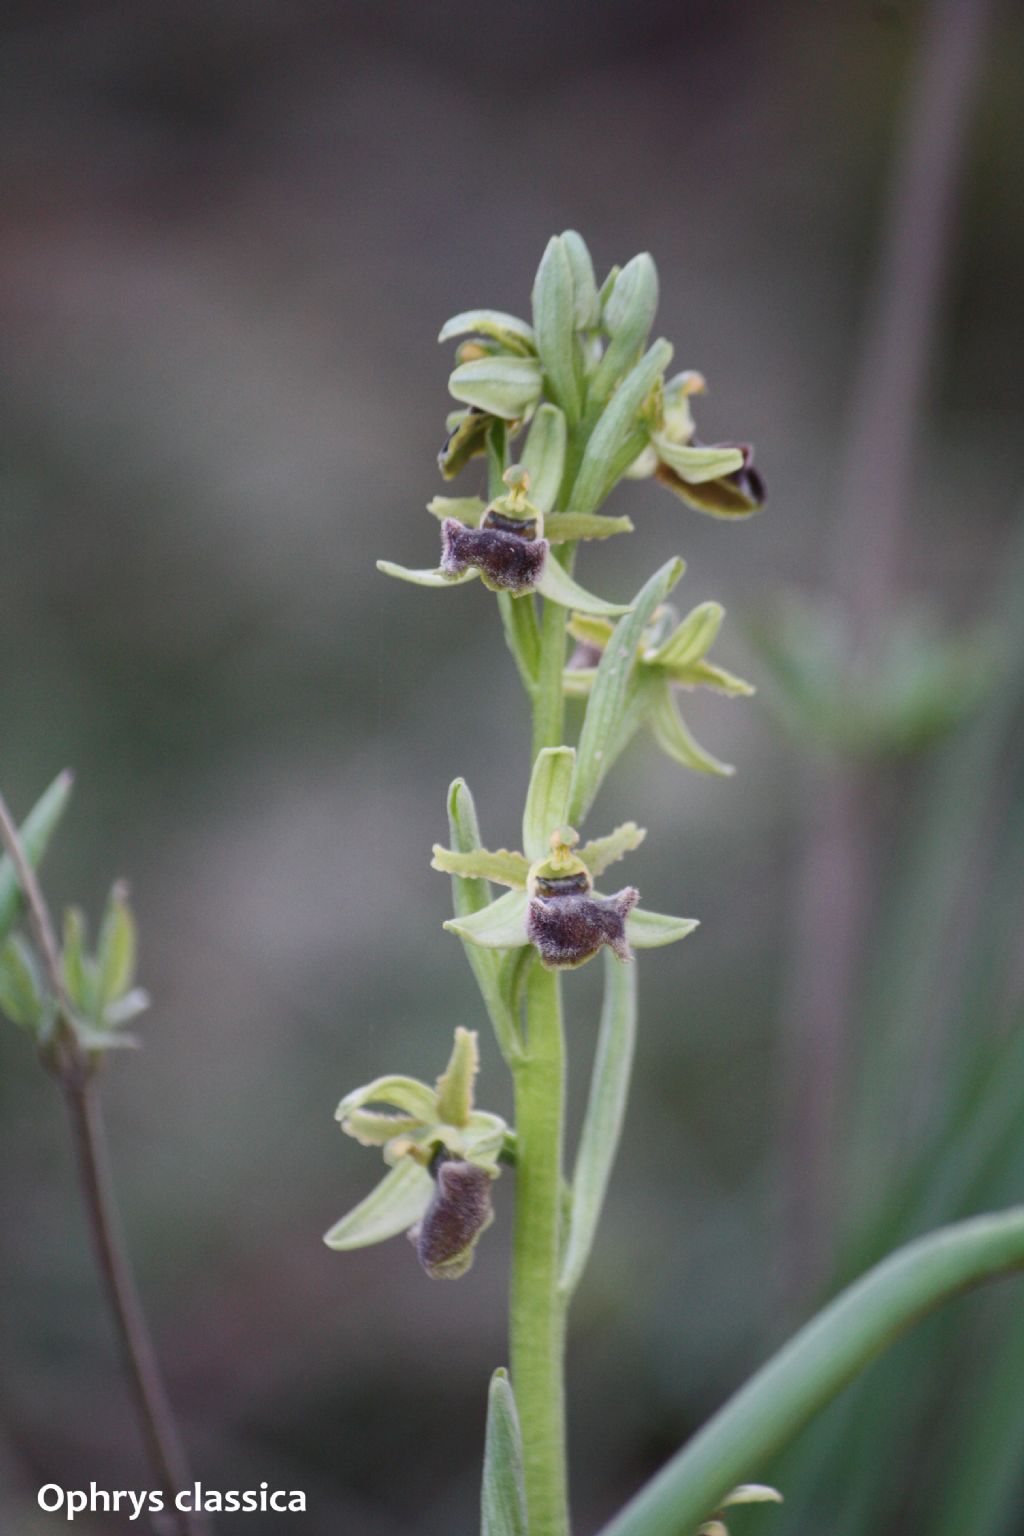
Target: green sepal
[555,583]
[603,722]
[509,330]
[79,972]
[613,437]
[376,1127]
[396,1204]
[21,993]
[652,930]
[506,387]
[435,578]
[455,1085]
[547,800]
[697,465]
[501,925]
[465,509]
[544,455]
[629,312]
[35,834]
[568,527]
[717,498]
[592,631]
[586,308]
[117,949]
[554,325]
[752,1493]
[702,674]
[600,852]
[466,439]
[406,1094]
[691,640]
[503,1494]
[674,738]
[502,866]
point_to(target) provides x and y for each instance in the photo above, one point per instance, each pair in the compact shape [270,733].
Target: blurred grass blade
[808,1372]
[503,1499]
[469,896]
[36,832]
[602,1125]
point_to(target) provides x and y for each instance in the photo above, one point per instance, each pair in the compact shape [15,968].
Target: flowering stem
[548,698]
[537,1312]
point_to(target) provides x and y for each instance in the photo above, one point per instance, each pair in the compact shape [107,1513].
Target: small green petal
[455,1085]
[566,527]
[703,675]
[547,800]
[556,584]
[692,640]
[465,509]
[507,387]
[503,867]
[651,930]
[375,1127]
[435,578]
[512,332]
[673,737]
[598,854]
[406,1094]
[502,925]
[697,465]
[398,1201]
[752,1493]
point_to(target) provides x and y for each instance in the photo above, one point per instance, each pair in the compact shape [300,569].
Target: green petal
[598,854]
[507,387]
[503,1496]
[375,1127]
[692,640]
[592,631]
[435,578]
[673,737]
[406,1094]
[650,930]
[564,527]
[698,465]
[398,1201]
[36,830]
[703,674]
[508,329]
[556,583]
[502,925]
[465,509]
[466,440]
[547,800]
[455,1085]
[503,867]
[544,456]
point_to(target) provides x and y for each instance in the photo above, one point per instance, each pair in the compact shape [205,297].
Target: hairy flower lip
[506,560]
[458,1213]
[567,930]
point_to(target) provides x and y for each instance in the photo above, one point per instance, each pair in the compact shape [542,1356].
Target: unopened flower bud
[508,559]
[457,1215]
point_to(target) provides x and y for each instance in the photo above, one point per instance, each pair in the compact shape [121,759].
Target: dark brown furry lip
[570,929]
[505,560]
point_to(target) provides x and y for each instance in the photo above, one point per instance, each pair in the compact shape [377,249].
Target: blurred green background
[230,233]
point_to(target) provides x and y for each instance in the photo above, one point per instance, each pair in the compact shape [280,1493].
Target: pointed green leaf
[36,831]
[435,578]
[555,583]
[584,283]
[606,706]
[602,1125]
[465,509]
[547,800]
[566,527]
[672,736]
[554,325]
[652,930]
[472,895]
[406,1094]
[615,431]
[509,330]
[455,1085]
[628,316]
[698,465]
[503,867]
[502,925]
[544,456]
[507,387]
[21,994]
[692,640]
[598,854]
[117,948]
[503,1497]
[396,1204]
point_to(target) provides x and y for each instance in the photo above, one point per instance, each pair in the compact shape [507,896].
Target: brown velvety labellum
[457,1214]
[568,930]
[505,560]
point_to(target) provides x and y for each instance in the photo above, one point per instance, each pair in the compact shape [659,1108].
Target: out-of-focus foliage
[230,236]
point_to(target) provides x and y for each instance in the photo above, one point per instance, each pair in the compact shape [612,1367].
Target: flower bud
[457,1215]
[568,924]
[505,554]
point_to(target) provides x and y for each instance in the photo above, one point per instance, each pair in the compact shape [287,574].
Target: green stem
[537,1313]
[549,697]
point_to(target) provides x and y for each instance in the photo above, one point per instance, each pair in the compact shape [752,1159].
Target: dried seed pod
[569,926]
[458,1213]
[507,561]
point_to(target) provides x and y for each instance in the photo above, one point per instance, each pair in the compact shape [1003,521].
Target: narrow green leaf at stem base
[503,1497]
